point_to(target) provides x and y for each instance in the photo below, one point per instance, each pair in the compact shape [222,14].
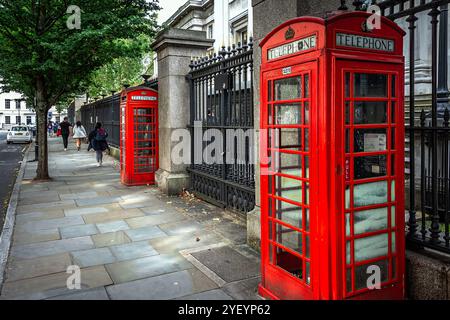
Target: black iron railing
[427,131]
[107,111]
[221,91]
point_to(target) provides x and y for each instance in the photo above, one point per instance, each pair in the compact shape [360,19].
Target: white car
[19,134]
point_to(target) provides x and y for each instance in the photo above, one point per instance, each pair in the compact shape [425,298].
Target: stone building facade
[13,110]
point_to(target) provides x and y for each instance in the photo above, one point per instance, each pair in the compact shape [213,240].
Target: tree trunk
[42,168]
[41,113]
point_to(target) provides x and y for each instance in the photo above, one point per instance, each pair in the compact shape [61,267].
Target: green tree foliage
[112,76]
[45,58]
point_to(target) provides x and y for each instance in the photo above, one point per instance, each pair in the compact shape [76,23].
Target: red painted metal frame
[326,66]
[132,102]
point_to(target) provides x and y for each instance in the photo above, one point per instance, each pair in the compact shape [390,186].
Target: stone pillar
[268,14]
[175,49]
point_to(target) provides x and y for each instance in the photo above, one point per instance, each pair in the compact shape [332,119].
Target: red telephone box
[138,136]
[332,190]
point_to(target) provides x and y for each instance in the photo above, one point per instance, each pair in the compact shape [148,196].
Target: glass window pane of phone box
[288,89]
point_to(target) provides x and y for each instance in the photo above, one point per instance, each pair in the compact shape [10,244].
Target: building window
[241,36]
[28,119]
[7,104]
[7,120]
[210,31]
[18,120]
[17,104]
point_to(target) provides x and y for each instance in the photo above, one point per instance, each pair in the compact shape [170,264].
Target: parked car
[19,134]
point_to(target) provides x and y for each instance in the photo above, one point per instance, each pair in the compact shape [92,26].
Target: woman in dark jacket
[97,139]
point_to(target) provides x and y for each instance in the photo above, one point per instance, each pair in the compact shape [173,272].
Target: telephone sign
[358,41]
[332,192]
[293,47]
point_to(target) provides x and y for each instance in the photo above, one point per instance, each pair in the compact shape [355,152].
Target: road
[10,157]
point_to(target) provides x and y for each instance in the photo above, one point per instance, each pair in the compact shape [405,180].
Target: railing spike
[234,51]
[358,5]
[343,6]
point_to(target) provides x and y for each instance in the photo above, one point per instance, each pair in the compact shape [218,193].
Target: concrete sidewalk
[130,242]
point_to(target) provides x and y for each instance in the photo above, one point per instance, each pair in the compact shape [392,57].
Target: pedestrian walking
[50,128]
[65,131]
[98,142]
[55,128]
[79,134]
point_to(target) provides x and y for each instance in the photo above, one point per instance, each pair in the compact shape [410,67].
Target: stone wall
[427,275]
[175,49]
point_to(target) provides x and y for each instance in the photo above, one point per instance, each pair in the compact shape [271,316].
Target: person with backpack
[98,142]
[79,134]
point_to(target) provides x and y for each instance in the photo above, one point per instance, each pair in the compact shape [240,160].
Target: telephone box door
[287,185]
[370,140]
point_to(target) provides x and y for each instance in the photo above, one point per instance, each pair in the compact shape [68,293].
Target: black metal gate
[428,132]
[221,92]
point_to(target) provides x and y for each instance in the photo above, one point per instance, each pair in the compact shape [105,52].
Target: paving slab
[154,220]
[133,205]
[147,267]
[83,211]
[112,226]
[181,227]
[50,223]
[171,244]
[112,215]
[96,201]
[54,284]
[168,286]
[24,194]
[92,294]
[79,195]
[92,257]
[22,237]
[39,215]
[41,249]
[78,231]
[134,250]
[24,269]
[216,294]
[235,232]
[37,199]
[28,187]
[145,233]
[243,290]
[63,204]
[158,208]
[228,264]
[110,239]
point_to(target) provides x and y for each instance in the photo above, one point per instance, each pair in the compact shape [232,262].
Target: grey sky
[168,8]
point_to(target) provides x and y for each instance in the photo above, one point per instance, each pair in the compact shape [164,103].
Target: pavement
[10,157]
[128,242]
